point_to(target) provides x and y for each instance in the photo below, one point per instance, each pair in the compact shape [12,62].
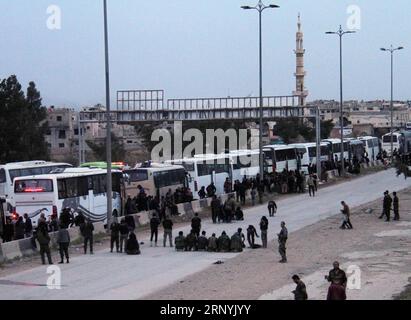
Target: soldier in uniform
[215,208]
[212,243]
[396,207]
[282,240]
[224,242]
[300,292]
[191,241]
[386,206]
[202,242]
[180,242]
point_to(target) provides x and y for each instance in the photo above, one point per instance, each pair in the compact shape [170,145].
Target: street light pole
[340,33]
[260,7]
[391,50]
[108,123]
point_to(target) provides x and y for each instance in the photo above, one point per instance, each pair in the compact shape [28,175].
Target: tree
[22,123]
[118,152]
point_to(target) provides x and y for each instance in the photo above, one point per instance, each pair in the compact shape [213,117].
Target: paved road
[114,276]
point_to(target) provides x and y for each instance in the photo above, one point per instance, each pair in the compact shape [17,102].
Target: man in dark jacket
[338,280]
[86,230]
[132,246]
[63,239]
[251,234]
[8,232]
[264,231]
[300,292]
[168,231]
[154,223]
[65,217]
[396,207]
[114,235]
[202,242]
[128,208]
[224,243]
[19,229]
[79,220]
[44,239]
[180,242]
[191,241]
[28,226]
[215,208]
[196,224]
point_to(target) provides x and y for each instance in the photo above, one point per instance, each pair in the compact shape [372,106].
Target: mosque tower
[300,73]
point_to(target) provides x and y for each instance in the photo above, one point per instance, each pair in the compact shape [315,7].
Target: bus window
[204,169]
[2,176]
[280,155]
[137,175]
[99,184]
[116,182]
[34,186]
[187,165]
[387,139]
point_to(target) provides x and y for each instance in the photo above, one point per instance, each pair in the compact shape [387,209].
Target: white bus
[372,146]
[307,153]
[356,148]
[246,163]
[386,142]
[280,157]
[335,148]
[155,178]
[10,171]
[206,168]
[80,189]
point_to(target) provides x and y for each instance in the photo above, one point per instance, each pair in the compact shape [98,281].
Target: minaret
[300,73]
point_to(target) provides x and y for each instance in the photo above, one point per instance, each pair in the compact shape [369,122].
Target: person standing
[28,226]
[282,240]
[396,207]
[44,240]
[311,185]
[387,202]
[202,193]
[272,208]
[128,208]
[196,224]
[300,292]
[346,212]
[253,193]
[154,223]
[87,229]
[124,231]
[215,208]
[338,279]
[264,231]
[63,239]
[168,231]
[115,236]
[19,229]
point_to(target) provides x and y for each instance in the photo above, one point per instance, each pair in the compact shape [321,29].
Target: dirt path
[380,250]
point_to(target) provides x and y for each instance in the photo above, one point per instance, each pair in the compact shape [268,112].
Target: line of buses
[37,187]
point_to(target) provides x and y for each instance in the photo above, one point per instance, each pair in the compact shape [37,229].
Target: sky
[202,48]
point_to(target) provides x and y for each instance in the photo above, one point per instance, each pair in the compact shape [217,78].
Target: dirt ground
[379,250]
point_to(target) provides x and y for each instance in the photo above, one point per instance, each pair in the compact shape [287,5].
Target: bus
[206,168]
[82,190]
[307,154]
[156,179]
[371,146]
[280,157]
[10,171]
[246,163]
[386,142]
[334,146]
[356,148]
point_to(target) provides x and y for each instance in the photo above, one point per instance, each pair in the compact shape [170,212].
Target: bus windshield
[23,186]
[2,176]
[26,172]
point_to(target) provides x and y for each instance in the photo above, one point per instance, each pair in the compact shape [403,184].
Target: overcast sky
[201,48]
